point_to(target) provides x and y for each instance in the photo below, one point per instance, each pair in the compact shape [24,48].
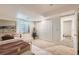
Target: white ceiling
[33,10]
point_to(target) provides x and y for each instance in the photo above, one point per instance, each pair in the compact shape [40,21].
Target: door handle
[67,35]
[75,35]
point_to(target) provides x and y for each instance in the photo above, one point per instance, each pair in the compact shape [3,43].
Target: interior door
[66,27]
[68,30]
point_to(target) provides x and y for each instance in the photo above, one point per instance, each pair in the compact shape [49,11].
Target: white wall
[44,29]
[6,22]
[49,29]
[56,28]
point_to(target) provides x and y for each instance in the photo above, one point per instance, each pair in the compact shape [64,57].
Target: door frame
[67,18]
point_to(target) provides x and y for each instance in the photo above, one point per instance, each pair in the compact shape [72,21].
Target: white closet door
[68,29]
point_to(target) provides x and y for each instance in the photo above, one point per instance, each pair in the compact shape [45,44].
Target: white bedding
[42,44]
[53,48]
[61,50]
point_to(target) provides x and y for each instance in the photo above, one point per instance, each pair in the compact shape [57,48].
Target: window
[22,26]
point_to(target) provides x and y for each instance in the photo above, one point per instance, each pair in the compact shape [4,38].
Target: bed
[13,47]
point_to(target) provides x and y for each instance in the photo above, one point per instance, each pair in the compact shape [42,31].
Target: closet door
[44,29]
[68,29]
